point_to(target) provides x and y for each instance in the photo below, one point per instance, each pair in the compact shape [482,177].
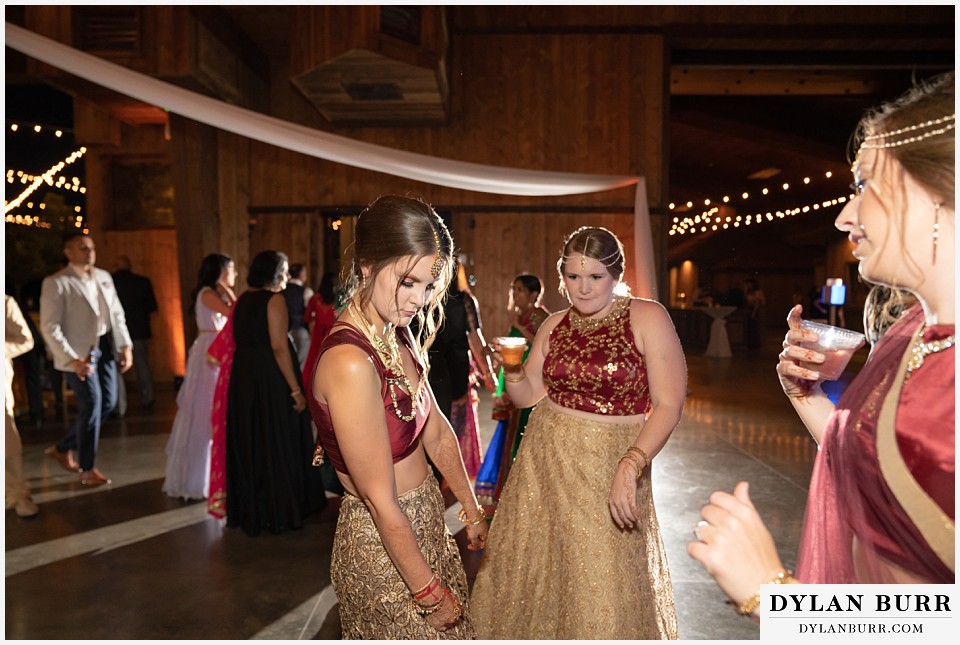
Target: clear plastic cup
[837,346]
[511,349]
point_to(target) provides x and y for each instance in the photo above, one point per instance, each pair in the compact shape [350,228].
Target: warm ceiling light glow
[689,204]
[786,186]
[14,127]
[671,206]
[829,174]
[726,199]
[806,180]
[765,191]
[36,128]
[745,195]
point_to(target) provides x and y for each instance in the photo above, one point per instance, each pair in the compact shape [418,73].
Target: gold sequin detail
[556,566]
[375,603]
[594,364]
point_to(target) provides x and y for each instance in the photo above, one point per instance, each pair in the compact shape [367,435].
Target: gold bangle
[639,451]
[462,516]
[506,376]
[636,462]
[747,607]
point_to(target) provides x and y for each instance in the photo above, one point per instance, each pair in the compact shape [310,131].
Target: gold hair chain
[437,265]
[878,141]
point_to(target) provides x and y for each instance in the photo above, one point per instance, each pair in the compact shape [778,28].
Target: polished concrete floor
[126,562]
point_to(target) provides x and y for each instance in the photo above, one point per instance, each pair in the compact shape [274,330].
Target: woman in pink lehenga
[881,504]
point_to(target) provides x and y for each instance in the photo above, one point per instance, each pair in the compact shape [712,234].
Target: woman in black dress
[270,481]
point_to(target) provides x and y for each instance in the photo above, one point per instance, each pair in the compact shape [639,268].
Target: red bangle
[428,590]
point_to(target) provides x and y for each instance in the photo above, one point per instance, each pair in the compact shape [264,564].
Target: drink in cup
[837,346]
[511,349]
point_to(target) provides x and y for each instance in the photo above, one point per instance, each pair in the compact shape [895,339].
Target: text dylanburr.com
[858,613]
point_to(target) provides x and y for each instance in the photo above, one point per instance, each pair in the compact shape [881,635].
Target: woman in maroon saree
[881,502]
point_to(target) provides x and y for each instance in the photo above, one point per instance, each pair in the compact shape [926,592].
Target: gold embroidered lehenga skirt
[556,566]
[375,603]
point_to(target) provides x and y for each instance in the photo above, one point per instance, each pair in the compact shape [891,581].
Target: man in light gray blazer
[84,327]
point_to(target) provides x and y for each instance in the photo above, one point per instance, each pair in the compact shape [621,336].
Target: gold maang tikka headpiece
[437,265]
[607,261]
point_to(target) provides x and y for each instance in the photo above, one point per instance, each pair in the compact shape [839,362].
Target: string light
[38,128]
[60,181]
[26,220]
[46,177]
[691,224]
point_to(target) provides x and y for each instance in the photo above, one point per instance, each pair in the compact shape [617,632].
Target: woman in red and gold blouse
[395,567]
[575,548]
[881,504]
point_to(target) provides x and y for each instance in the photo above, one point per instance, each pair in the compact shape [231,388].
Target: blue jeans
[96,398]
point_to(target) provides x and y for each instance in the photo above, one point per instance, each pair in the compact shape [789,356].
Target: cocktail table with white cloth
[719,345]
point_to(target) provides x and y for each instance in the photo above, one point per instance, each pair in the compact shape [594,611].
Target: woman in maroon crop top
[396,569]
[575,550]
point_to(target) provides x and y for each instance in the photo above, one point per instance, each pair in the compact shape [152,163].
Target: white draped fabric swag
[324,145]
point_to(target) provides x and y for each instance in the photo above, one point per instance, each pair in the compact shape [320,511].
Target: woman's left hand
[623,495]
[299,402]
[477,536]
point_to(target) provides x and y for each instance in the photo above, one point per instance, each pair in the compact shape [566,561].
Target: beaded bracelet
[747,607]
[462,516]
[426,610]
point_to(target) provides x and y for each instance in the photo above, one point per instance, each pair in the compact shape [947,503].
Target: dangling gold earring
[936,229]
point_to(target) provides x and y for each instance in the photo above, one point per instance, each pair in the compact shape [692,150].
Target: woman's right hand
[496,360]
[798,382]
[448,615]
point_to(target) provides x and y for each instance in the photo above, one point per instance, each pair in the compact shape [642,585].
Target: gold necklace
[922,349]
[588,325]
[389,353]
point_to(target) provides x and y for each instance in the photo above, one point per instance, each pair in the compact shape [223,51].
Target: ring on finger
[696,529]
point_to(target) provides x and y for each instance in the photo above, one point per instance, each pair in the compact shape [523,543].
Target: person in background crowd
[38,362]
[188,448]
[756,303]
[136,295]
[575,548]
[270,483]
[296,296]
[396,569]
[881,502]
[18,341]
[526,317]
[84,327]
[320,314]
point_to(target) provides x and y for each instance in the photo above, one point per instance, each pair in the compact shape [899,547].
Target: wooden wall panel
[609,123]
[152,253]
[233,200]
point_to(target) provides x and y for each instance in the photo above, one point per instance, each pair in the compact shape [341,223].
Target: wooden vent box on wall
[377,65]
